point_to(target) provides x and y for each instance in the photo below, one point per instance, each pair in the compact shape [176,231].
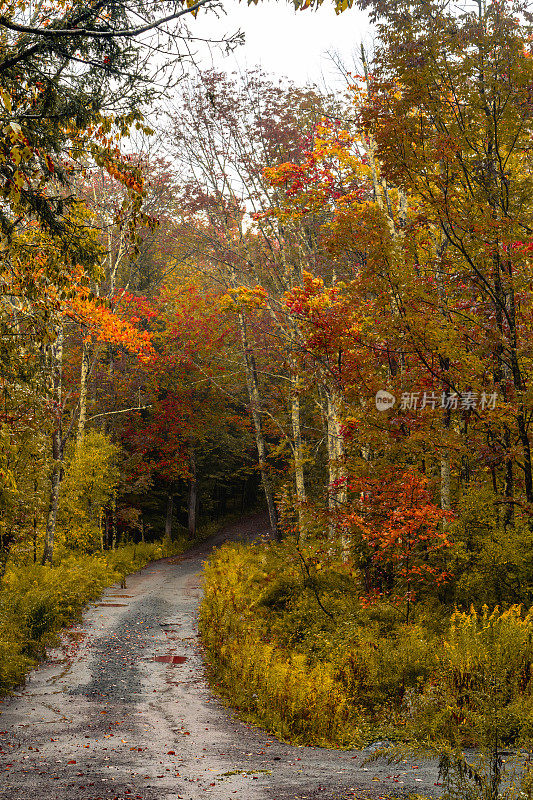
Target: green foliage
[90,478]
[37,601]
[494,562]
[23,481]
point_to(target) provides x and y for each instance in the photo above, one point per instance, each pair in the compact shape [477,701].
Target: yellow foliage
[37,601]
[90,478]
[297,701]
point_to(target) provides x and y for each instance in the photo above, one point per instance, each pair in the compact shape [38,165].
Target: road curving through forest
[121,711]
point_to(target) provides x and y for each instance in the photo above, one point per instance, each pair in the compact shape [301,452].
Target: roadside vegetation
[297,651]
[37,601]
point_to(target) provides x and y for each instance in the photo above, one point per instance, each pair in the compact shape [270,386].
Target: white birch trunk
[56,369]
[84,382]
[445,484]
[338,486]
[256,408]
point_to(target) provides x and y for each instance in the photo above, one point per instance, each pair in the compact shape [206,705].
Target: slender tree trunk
[57,476]
[508,482]
[114,522]
[526,450]
[445,472]
[299,475]
[338,488]
[256,411]
[84,381]
[445,484]
[243,495]
[56,357]
[519,386]
[35,520]
[193,494]
[169,517]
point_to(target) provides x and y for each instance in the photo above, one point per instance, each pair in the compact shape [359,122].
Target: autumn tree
[192,442]
[450,112]
[402,548]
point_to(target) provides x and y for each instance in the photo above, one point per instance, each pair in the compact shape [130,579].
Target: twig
[121,411]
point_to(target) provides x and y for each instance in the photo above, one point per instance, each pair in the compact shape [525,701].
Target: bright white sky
[286,42]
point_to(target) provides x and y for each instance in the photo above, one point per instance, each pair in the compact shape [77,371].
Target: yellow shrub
[294,700]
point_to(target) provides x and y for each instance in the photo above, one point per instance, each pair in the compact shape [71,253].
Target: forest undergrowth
[298,652]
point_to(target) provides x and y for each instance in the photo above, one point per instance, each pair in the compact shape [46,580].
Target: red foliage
[402,536]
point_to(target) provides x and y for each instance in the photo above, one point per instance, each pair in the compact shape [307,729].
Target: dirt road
[121,711]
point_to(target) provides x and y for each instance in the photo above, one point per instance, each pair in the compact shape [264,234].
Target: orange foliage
[106,325]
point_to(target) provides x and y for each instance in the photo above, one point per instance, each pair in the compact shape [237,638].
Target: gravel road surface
[121,711]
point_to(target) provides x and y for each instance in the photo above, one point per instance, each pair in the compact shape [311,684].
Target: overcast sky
[288,42]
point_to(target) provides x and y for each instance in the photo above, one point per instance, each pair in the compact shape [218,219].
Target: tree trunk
[35,519]
[256,411]
[244,483]
[445,484]
[338,488]
[445,471]
[522,414]
[299,475]
[56,367]
[84,380]
[193,494]
[526,449]
[169,517]
[114,522]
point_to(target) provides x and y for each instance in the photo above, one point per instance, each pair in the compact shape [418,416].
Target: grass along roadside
[274,685]
[37,601]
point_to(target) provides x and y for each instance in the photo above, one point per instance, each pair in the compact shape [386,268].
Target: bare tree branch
[121,411]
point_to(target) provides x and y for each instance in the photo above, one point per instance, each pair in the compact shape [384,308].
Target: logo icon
[384,400]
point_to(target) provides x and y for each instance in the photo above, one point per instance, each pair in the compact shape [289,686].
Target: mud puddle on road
[171,659]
